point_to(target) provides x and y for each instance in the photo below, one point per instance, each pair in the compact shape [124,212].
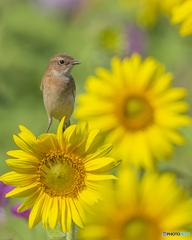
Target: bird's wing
[72,82]
[41,86]
[74,92]
[42,81]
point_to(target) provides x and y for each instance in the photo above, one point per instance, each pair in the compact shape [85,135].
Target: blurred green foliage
[29,36]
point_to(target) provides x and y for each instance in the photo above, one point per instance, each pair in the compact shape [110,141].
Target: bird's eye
[61,61]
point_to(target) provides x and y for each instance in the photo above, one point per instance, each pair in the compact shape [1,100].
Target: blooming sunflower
[141,210]
[183,13]
[148,10]
[59,174]
[136,108]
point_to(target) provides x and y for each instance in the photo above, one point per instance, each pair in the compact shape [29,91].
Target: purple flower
[137,40]
[24,214]
[3,190]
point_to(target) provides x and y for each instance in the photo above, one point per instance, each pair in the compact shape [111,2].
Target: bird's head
[61,64]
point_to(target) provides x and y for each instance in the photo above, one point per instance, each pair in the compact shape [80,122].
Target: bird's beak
[75,62]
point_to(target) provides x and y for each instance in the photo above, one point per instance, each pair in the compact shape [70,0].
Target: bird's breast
[58,97]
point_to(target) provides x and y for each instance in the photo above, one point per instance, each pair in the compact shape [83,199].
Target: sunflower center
[136,229]
[133,225]
[135,113]
[62,174]
[134,107]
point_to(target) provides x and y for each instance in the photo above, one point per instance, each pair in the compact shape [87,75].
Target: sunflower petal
[102,151]
[88,198]
[75,140]
[63,214]
[16,179]
[104,74]
[30,201]
[46,208]
[99,86]
[146,73]
[186,28]
[85,205]
[172,95]
[21,154]
[36,212]
[181,12]
[94,141]
[161,85]
[49,142]
[23,166]
[94,177]
[69,136]
[80,149]
[80,209]
[30,134]
[60,133]
[32,150]
[53,214]
[101,164]
[75,214]
[68,215]
[22,192]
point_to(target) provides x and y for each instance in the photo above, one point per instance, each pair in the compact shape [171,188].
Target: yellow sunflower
[183,13]
[148,10]
[141,210]
[136,108]
[59,174]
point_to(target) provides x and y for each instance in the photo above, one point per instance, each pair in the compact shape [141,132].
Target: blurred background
[92,32]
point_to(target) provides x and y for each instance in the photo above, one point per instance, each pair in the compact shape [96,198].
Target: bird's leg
[65,126]
[50,121]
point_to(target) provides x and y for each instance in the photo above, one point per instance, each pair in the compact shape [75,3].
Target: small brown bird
[58,88]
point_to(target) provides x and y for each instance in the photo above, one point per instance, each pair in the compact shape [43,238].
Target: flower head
[59,174]
[183,13]
[137,110]
[140,210]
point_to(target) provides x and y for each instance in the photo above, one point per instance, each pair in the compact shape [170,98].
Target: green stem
[72,234]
